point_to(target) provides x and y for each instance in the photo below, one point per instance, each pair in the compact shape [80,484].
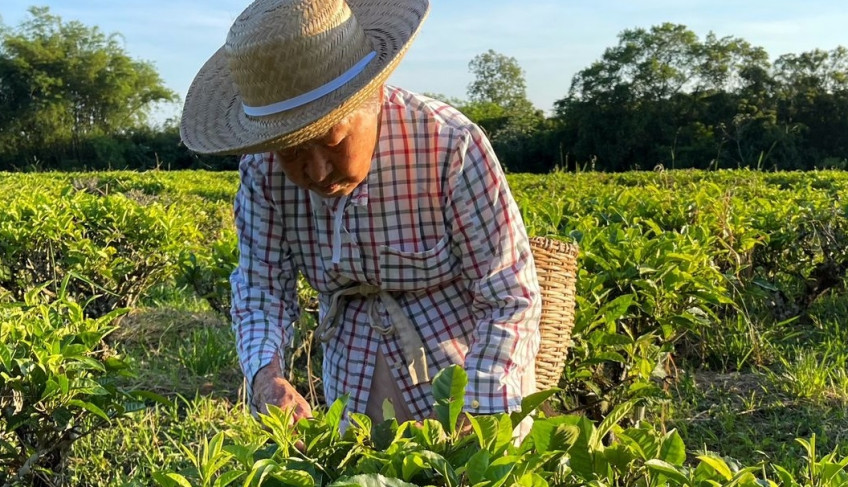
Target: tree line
[664,98]
[72,98]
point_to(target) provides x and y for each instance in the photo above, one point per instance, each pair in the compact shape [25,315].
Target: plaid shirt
[434,224]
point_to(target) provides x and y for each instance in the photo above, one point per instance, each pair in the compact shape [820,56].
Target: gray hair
[374,103]
[370,106]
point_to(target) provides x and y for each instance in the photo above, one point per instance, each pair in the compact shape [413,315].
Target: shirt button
[475,404]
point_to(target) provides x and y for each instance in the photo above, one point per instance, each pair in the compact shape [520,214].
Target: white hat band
[310,96]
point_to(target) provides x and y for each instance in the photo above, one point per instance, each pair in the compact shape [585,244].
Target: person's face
[334,164]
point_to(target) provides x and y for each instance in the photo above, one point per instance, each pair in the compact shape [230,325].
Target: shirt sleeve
[264,283]
[491,241]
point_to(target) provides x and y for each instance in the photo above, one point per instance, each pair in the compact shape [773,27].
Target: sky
[551,39]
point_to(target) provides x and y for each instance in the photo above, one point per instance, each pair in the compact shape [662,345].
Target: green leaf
[50,387]
[829,470]
[612,339]
[114,364]
[556,433]
[643,441]
[439,464]
[263,467]
[581,456]
[477,466]
[5,357]
[565,436]
[382,434]
[658,466]
[618,455]
[430,434]
[88,361]
[486,428]
[62,380]
[370,480]
[294,478]
[717,464]
[74,350]
[388,409]
[449,384]
[361,423]
[605,356]
[673,450]
[618,413]
[62,417]
[90,408]
[243,453]
[228,477]
[411,464]
[500,469]
[152,396]
[530,403]
[505,433]
[786,478]
[449,392]
[616,309]
[171,479]
[532,480]
[333,417]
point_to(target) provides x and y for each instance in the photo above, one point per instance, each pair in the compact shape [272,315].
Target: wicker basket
[556,266]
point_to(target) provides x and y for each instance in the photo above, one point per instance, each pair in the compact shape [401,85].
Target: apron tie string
[412,348]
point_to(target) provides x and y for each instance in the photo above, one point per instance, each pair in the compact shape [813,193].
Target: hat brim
[214,122]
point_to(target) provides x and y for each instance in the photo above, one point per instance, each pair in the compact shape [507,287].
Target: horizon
[543,36]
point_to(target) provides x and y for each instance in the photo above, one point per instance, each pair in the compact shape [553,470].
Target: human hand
[269,387]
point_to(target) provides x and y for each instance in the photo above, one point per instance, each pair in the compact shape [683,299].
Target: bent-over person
[392,205]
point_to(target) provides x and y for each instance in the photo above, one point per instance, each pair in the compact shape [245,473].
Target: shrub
[56,384]
[115,248]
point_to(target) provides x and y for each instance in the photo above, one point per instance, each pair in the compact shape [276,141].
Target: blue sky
[551,39]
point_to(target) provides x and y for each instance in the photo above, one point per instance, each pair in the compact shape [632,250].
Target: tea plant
[558,451]
[56,384]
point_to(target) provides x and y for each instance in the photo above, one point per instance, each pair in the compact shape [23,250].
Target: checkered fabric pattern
[434,223]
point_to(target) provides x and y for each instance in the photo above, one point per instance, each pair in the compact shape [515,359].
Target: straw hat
[291,69]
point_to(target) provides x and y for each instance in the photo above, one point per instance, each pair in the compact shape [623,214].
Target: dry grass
[149,326]
[167,347]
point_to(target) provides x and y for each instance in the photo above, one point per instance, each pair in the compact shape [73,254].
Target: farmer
[391,204]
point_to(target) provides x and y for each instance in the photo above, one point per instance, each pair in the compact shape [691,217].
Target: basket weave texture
[556,267]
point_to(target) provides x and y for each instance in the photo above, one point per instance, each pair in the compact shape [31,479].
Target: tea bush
[56,384]
[558,451]
[677,269]
[113,248]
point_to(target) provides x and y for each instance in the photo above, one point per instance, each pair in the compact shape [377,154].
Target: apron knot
[412,346]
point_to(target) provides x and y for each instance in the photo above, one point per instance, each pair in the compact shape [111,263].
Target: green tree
[812,105]
[498,79]
[499,92]
[646,65]
[663,96]
[62,83]
[728,64]
[499,104]
[813,73]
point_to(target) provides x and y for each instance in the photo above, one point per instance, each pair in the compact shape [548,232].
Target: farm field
[709,341]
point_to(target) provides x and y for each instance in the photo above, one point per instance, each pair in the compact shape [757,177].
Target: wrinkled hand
[269,387]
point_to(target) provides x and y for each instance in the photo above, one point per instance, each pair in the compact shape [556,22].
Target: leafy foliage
[113,247]
[63,82]
[56,384]
[664,97]
[676,268]
[558,451]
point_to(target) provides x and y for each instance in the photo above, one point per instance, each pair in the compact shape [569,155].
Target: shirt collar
[359,196]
